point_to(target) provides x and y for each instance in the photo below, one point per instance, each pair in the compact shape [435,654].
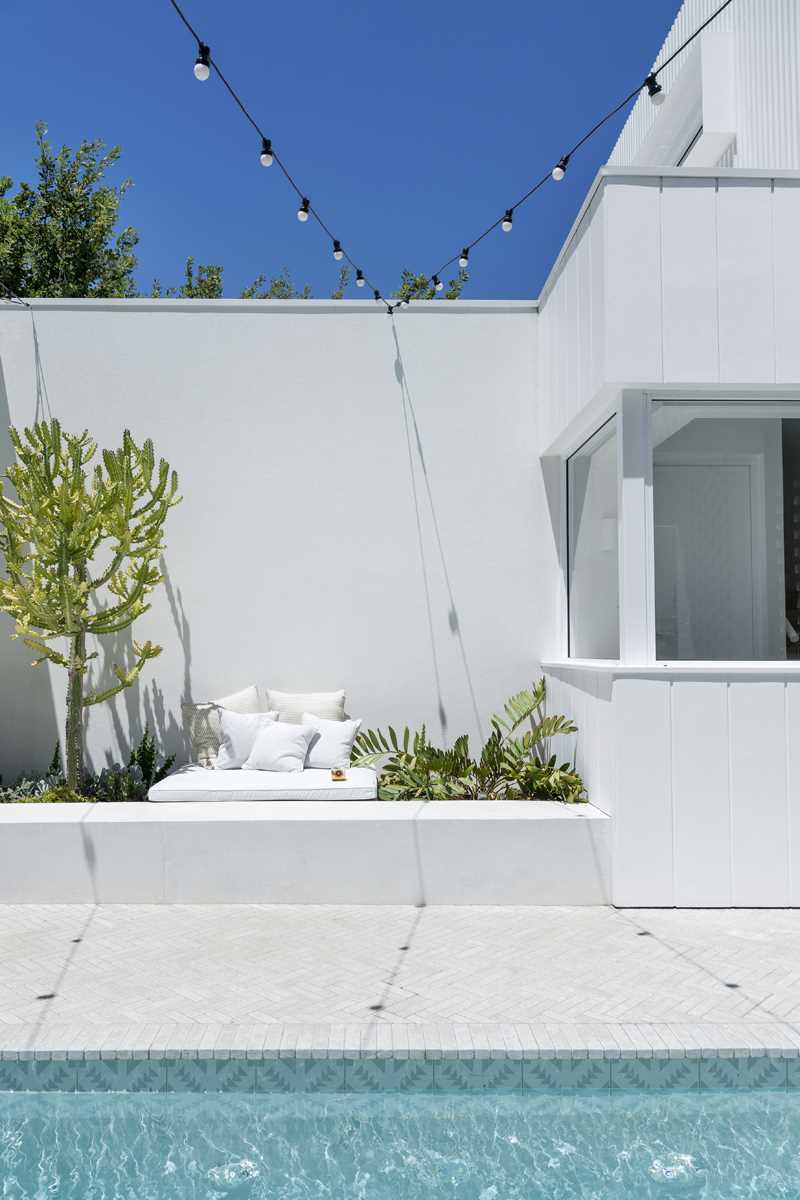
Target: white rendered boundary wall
[311,438]
[305,852]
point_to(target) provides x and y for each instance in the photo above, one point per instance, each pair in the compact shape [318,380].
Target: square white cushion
[238,733]
[292,705]
[280,746]
[201,721]
[333,742]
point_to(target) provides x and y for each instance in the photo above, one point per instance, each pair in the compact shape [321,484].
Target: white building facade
[430,509]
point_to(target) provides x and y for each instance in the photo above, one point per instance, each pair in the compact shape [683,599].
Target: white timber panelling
[786,242]
[585,697]
[643,816]
[701,805]
[689,279]
[631,214]
[760,833]
[744,265]
[766,92]
[705,804]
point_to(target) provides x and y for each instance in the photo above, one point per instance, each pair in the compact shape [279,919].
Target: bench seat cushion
[198,783]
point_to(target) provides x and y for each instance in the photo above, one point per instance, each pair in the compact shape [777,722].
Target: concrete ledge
[305,852]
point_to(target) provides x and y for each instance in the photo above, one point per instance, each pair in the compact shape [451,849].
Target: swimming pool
[481,1146]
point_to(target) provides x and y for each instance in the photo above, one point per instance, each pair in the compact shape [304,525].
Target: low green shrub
[116,782]
[515,762]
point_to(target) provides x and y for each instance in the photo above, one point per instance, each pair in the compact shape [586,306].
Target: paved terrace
[240,981]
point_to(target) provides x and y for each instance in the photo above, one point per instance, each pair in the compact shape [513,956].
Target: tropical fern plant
[81,545]
[515,762]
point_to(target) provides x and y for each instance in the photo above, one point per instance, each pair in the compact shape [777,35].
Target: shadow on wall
[28,728]
[142,705]
[414,441]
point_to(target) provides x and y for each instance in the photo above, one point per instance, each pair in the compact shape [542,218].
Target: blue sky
[411,126]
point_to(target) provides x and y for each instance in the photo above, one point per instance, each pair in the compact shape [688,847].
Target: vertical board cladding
[673,280]
[632,221]
[758,753]
[767,85]
[700,792]
[744,266]
[689,279]
[705,789]
[642,860]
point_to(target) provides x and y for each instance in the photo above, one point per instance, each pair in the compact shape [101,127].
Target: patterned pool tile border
[262,1075]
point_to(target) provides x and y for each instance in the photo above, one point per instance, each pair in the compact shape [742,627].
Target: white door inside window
[710,557]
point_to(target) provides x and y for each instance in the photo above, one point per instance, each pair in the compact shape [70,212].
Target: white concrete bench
[305,852]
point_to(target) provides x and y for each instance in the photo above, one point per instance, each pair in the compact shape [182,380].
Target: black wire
[522,200]
[597,126]
[287,175]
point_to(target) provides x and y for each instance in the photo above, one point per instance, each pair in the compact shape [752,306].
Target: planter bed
[305,852]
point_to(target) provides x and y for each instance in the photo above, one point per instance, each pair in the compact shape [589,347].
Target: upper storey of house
[732,98]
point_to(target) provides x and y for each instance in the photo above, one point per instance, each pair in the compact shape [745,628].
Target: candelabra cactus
[81,545]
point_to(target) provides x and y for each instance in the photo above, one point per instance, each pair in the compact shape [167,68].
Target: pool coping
[374,1075]
[382,1056]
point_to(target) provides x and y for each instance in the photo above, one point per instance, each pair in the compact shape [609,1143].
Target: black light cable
[205,64]
[656,94]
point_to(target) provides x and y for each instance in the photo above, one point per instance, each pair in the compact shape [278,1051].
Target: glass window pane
[593,551]
[726,515]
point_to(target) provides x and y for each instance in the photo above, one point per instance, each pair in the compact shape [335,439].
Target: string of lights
[205,64]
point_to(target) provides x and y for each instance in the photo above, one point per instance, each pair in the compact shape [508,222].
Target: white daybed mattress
[198,783]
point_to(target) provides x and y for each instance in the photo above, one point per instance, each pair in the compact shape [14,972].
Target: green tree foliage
[276,287]
[204,284]
[419,287]
[81,544]
[57,237]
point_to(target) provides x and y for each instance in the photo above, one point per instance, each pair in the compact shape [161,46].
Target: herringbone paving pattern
[318,981]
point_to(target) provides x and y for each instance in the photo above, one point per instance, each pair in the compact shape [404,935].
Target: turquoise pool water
[397,1147]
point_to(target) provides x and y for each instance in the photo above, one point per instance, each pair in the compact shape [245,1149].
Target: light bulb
[437,283]
[655,90]
[376,294]
[360,280]
[507,221]
[302,212]
[338,252]
[202,66]
[560,169]
[463,261]
[266,152]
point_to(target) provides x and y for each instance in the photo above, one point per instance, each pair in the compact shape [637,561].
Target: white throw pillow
[238,734]
[333,742]
[201,721]
[280,746]
[292,705]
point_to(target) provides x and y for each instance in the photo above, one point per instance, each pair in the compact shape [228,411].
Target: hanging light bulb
[655,90]
[202,66]
[338,252]
[376,294]
[507,221]
[266,153]
[560,169]
[463,261]
[437,283]
[302,212]
[360,280]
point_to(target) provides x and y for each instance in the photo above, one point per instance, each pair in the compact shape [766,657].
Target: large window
[593,583]
[726,517]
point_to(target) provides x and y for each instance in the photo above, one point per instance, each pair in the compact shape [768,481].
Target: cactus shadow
[29,726]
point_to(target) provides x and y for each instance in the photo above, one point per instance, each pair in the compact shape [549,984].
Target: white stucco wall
[293,561]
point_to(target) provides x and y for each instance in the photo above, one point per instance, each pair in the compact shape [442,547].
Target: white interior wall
[294,561]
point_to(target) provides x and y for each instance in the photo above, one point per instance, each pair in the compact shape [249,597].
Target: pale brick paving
[343,981]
